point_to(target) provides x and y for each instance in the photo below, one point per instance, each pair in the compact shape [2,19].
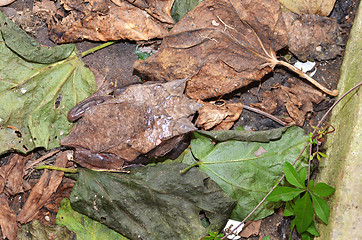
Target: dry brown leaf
[312,36]
[42,191]
[298,100]
[218,117]
[319,7]
[102,20]
[11,175]
[140,119]
[220,45]
[251,228]
[8,224]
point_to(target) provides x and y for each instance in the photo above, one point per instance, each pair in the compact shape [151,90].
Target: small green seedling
[303,201]
[213,236]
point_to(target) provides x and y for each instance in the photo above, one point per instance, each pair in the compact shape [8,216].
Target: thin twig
[265,114]
[300,154]
[42,158]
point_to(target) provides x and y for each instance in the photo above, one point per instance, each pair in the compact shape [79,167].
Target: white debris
[304,66]
[230,226]
[23,90]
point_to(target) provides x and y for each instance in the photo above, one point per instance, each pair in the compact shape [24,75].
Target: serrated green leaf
[323,189]
[288,210]
[83,226]
[321,207]
[153,202]
[201,145]
[248,178]
[284,194]
[27,47]
[313,230]
[302,175]
[303,210]
[35,99]
[292,176]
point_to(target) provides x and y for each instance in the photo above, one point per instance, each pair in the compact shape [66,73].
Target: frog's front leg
[98,161]
[77,112]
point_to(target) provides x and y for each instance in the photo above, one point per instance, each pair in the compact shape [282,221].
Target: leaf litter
[229,63]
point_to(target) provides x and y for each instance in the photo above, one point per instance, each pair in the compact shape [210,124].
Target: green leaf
[311,184]
[250,136]
[181,7]
[266,238]
[313,230]
[284,194]
[201,146]
[27,47]
[303,210]
[246,177]
[288,210]
[321,207]
[35,99]
[323,190]
[302,175]
[142,55]
[307,236]
[83,226]
[153,202]
[292,226]
[292,176]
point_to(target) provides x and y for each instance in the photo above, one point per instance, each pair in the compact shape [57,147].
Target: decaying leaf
[37,230]
[8,224]
[312,36]
[251,228]
[243,176]
[298,100]
[35,97]
[42,191]
[319,7]
[104,20]
[140,119]
[221,45]
[218,117]
[153,202]
[11,175]
[85,227]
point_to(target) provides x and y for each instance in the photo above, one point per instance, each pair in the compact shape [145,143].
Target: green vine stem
[67,170]
[92,50]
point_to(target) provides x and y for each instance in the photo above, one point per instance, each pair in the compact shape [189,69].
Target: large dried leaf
[35,98]
[220,46]
[319,7]
[141,118]
[312,36]
[7,219]
[239,167]
[103,20]
[152,202]
[42,191]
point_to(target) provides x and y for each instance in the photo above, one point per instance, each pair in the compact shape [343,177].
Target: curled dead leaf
[312,36]
[218,117]
[220,45]
[103,20]
[140,119]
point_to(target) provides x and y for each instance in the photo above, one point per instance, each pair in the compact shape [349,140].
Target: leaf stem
[92,50]
[189,167]
[67,170]
[307,77]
